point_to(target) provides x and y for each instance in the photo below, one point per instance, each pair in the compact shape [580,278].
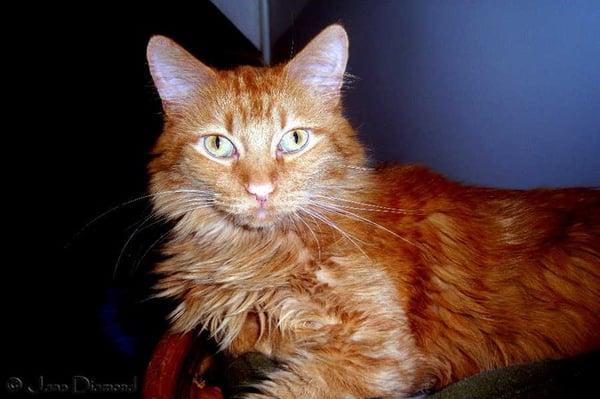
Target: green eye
[294,140]
[219,146]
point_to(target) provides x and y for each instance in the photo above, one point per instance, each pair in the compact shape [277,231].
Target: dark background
[82,117]
[505,95]
[499,93]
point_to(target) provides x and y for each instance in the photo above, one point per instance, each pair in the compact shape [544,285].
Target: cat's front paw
[254,396]
[285,385]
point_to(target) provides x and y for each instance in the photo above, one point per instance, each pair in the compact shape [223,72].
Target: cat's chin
[259,219]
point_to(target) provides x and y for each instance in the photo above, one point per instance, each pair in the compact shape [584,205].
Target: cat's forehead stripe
[247,109]
[282,118]
[228,121]
[254,100]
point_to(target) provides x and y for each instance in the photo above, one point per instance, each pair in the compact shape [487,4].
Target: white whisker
[354,216]
[333,225]
[314,236]
[394,210]
[130,202]
[127,244]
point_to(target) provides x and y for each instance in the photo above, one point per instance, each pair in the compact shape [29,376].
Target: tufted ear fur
[176,73]
[322,63]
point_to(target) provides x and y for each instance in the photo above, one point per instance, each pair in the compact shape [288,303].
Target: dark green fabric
[567,378]
[243,371]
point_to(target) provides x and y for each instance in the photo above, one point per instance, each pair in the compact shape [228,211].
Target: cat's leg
[332,372]
[247,337]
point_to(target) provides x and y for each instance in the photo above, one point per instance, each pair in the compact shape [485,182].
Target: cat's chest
[293,292]
[356,285]
[344,296]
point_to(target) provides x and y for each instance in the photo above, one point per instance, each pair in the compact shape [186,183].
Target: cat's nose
[260,191]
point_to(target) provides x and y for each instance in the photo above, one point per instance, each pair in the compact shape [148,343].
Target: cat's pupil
[296,137]
[217,142]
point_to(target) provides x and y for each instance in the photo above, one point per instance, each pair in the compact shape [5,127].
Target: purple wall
[500,93]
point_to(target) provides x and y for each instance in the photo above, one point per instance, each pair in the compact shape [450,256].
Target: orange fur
[364,282]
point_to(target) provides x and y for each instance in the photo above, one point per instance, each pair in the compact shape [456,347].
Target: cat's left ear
[322,63]
[177,74]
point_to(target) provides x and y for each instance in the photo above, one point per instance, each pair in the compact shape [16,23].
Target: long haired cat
[363,282]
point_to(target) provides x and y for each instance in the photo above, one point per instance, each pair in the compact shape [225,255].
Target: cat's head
[255,146]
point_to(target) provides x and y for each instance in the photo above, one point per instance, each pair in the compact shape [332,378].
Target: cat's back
[475,227]
[496,276]
[513,218]
[423,189]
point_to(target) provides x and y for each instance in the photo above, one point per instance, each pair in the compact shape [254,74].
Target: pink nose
[260,191]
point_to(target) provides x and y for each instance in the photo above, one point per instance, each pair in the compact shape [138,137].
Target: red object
[166,368]
[206,393]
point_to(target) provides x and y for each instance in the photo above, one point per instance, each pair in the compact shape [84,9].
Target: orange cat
[364,282]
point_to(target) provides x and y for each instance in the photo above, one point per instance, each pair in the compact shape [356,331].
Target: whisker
[314,236]
[127,244]
[147,251]
[123,205]
[330,223]
[370,209]
[354,216]
[192,206]
[364,168]
[316,223]
[398,210]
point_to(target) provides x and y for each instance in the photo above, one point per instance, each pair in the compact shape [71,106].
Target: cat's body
[363,282]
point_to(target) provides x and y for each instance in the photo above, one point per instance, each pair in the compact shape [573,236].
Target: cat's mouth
[262,214]
[257,216]
[260,217]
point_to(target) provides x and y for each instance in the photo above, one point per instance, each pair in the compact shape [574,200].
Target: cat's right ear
[321,64]
[177,74]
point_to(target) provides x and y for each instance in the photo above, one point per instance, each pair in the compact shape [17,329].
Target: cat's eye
[219,146]
[294,140]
